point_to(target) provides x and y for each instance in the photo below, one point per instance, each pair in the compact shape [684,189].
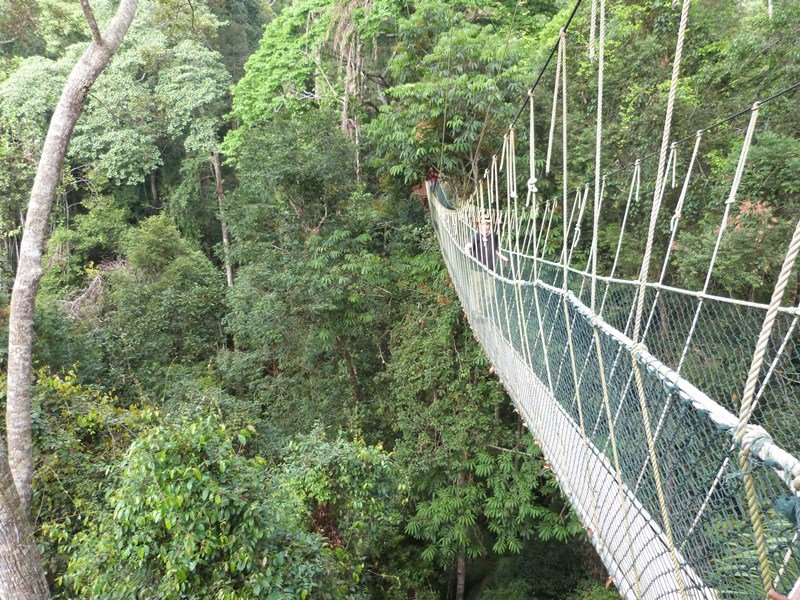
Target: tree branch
[87,12]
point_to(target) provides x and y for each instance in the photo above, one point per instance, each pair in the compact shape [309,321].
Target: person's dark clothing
[484,249]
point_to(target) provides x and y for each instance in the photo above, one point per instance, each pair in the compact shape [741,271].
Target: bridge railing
[680,532]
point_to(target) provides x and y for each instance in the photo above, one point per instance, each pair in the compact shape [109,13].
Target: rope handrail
[660,494]
[784,463]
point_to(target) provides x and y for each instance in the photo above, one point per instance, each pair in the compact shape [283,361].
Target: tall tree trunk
[21,573]
[226,243]
[29,269]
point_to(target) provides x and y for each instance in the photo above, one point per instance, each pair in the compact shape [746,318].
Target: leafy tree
[80,430]
[191,515]
[352,492]
[456,83]
[165,306]
[448,421]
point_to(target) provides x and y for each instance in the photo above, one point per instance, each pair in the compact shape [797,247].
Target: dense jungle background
[253,377]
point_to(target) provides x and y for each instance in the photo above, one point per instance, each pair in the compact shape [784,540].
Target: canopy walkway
[669,416]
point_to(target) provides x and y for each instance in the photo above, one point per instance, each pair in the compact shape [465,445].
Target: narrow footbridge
[670,416]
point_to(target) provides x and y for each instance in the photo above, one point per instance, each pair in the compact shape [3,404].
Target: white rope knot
[637,350]
[673,222]
[754,439]
[532,185]
[595,320]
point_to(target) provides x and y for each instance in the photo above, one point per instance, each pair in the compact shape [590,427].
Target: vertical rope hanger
[554,111]
[673,88]
[534,212]
[737,179]
[593,295]
[598,142]
[641,296]
[565,286]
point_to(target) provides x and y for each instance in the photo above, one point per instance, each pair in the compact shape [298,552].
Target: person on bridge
[485,244]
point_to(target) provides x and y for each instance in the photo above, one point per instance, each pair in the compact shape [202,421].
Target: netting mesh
[680,532]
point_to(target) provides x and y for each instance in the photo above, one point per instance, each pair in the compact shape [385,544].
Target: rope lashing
[532,189]
[637,350]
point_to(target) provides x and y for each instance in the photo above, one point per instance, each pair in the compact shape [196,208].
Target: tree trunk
[153,190]
[226,243]
[21,574]
[461,561]
[29,269]
[461,576]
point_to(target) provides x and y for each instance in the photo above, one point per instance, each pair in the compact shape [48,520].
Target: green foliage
[353,492]
[282,70]
[547,570]
[154,246]
[456,87]
[90,238]
[192,516]
[151,95]
[165,306]
[79,432]
[593,590]
[341,311]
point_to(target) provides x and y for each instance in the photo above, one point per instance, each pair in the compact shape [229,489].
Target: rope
[559,67]
[598,138]
[535,262]
[532,190]
[761,390]
[673,87]
[641,295]
[746,409]
[737,179]
[674,222]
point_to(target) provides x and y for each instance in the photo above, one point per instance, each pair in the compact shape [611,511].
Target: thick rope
[598,195]
[718,478]
[674,222]
[559,67]
[641,296]
[746,408]
[598,139]
[567,257]
[673,88]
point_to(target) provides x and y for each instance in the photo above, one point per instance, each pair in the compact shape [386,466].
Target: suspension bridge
[668,415]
